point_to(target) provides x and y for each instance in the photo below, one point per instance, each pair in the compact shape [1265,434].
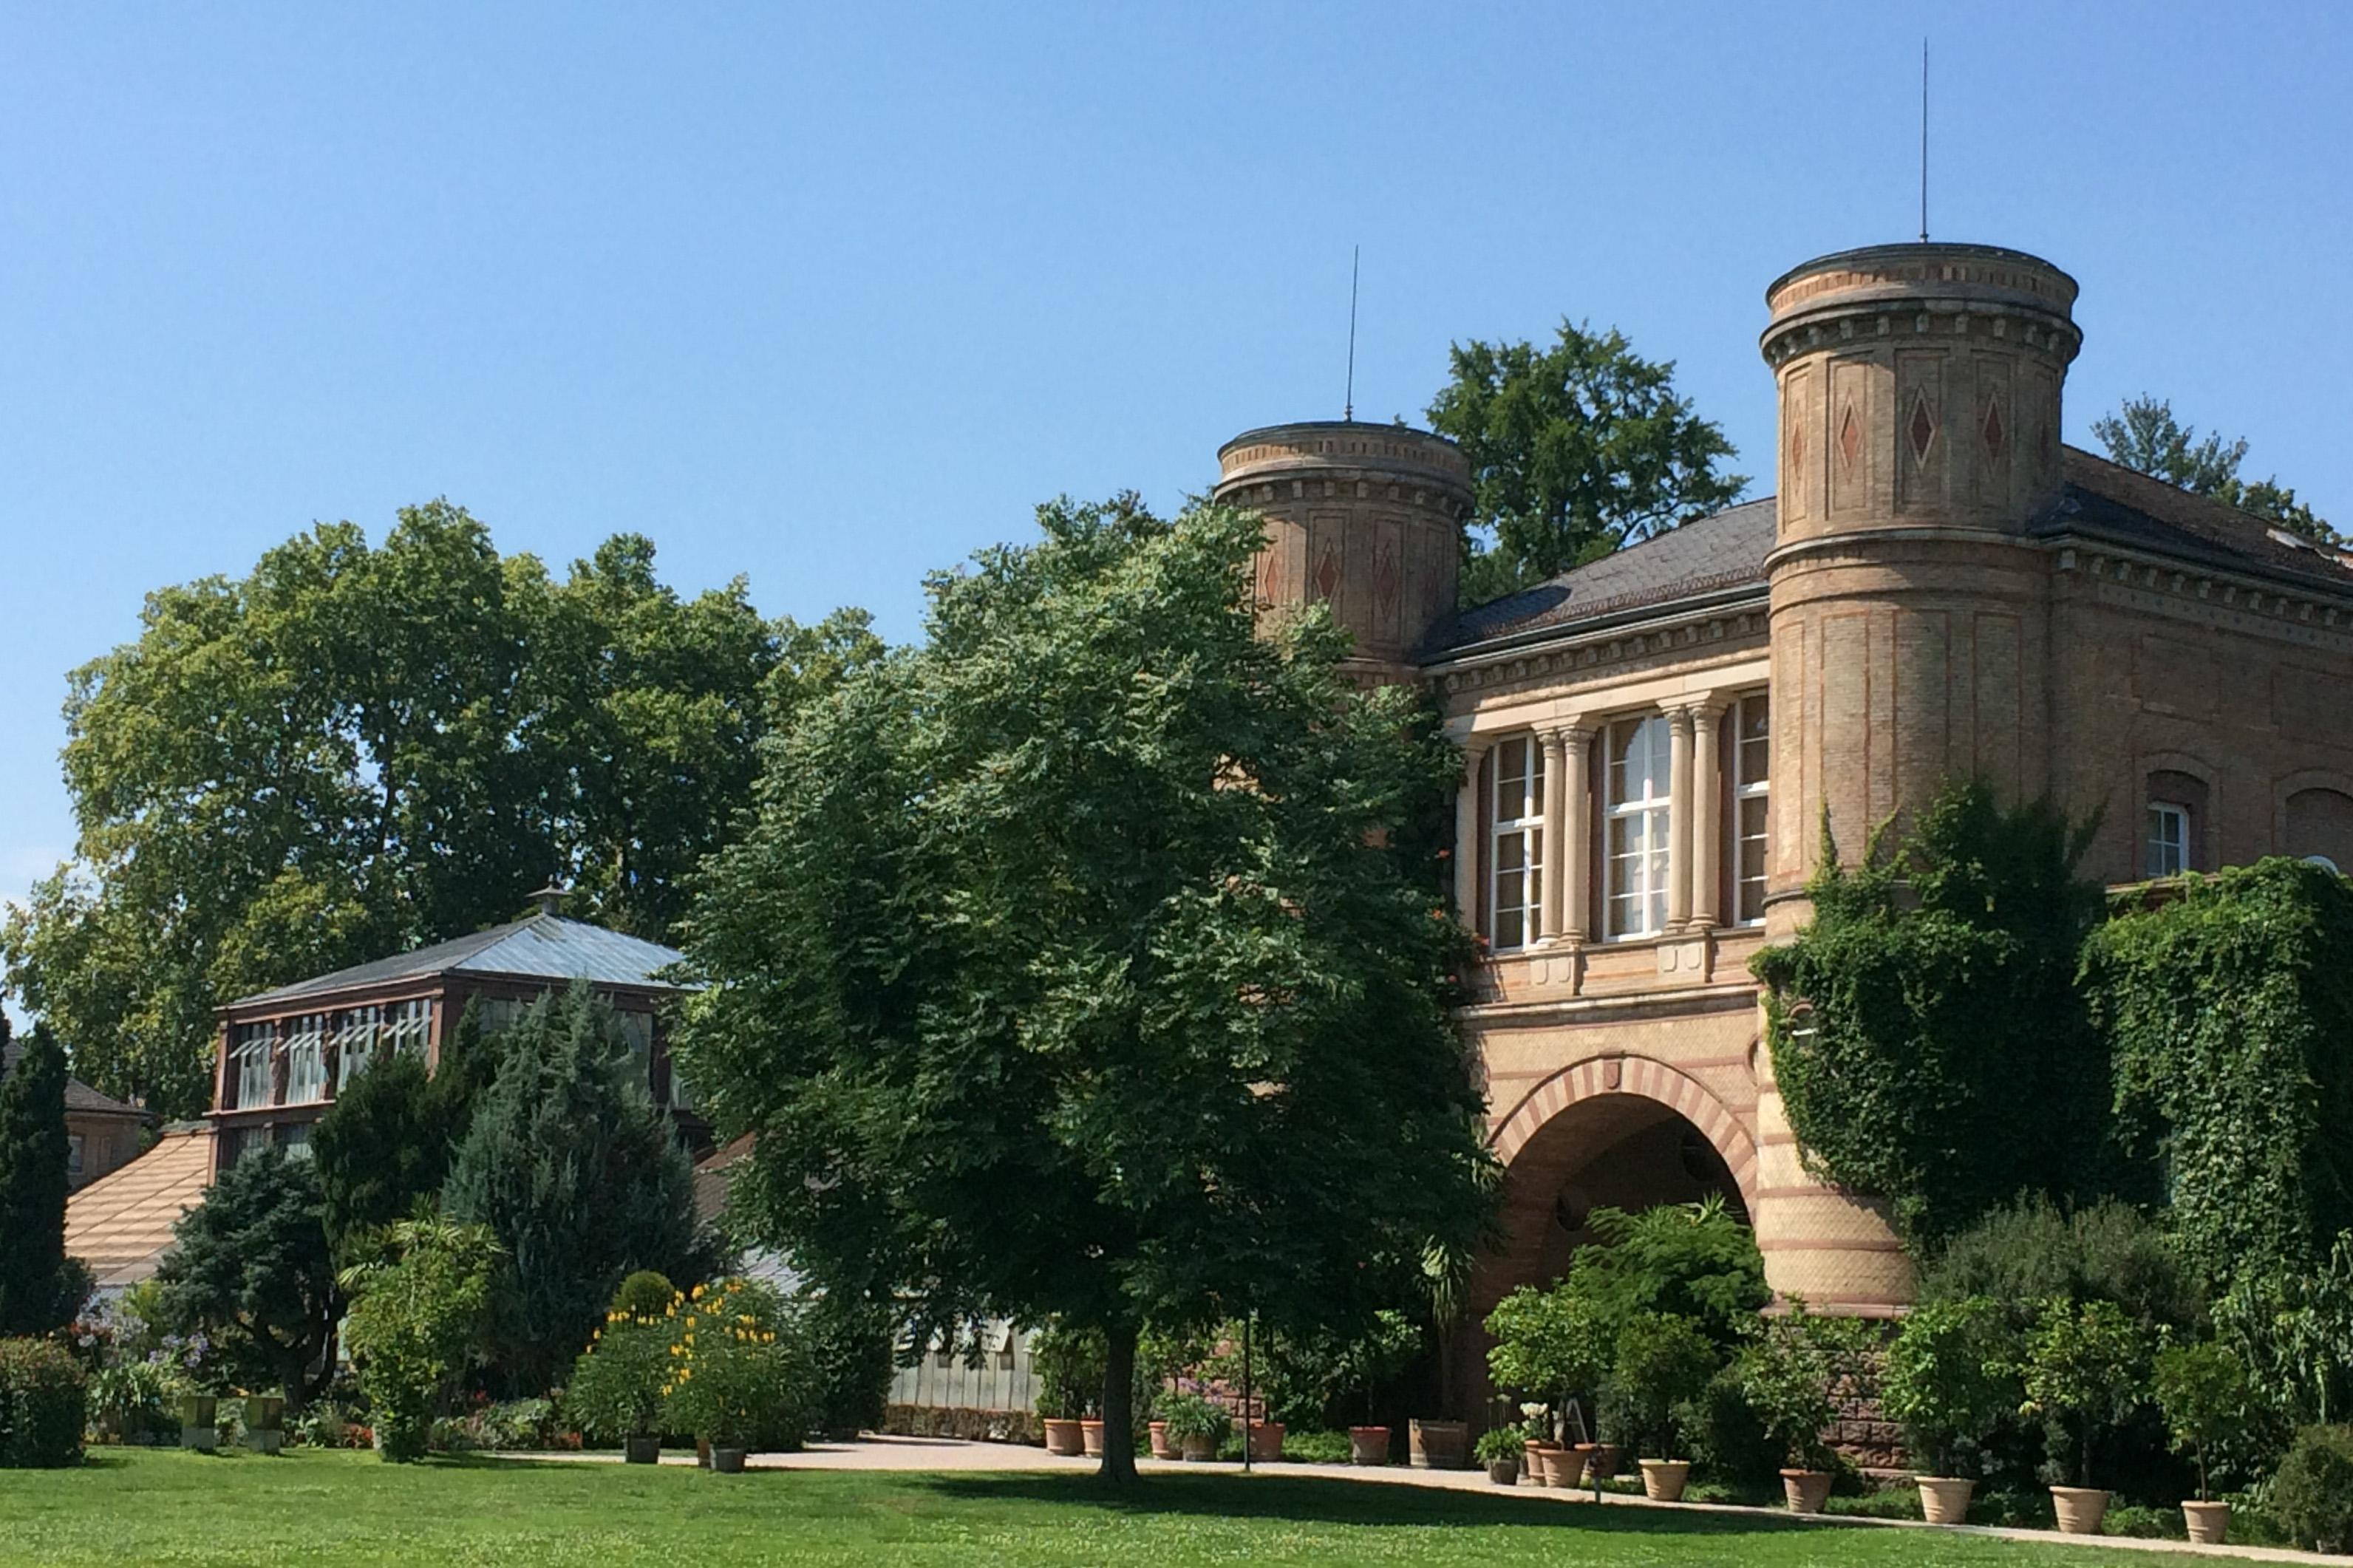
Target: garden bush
[131,1401]
[616,1390]
[2312,1495]
[850,1345]
[1728,1439]
[1788,1371]
[43,1404]
[1948,1380]
[1663,1362]
[741,1376]
[416,1320]
[1694,1260]
[1317,1445]
[647,1293]
[2086,1369]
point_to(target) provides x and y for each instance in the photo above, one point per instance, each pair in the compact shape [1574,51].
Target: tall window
[306,1060]
[248,1065]
[1639,791]
[1752,762]
[1516,894]
[408,1026]
[355,1043]
[2168,853]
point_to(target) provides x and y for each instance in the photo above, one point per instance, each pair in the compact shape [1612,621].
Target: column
[1576,835]
[1679,820]
[1466,836]
[1554,831]
[1707,841]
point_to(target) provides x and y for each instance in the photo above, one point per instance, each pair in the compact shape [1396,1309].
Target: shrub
[1788,1372]
[2203,1390]
[617,1385]
[2084,1371]
[740,1374]
[1190,1416]
[1070,1365]
[647,1293]
[1663,1362]
[514,1426]
[1694,1260]
[43,1407]
[1316,1446]
[2312,1495]
[415,1319]
[1728,1440]
[1948,1378]
[849,1352]
[130,1400]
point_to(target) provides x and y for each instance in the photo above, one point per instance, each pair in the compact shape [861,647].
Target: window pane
[1507,929]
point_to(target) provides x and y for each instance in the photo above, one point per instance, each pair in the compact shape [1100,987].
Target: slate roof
[121,1225]
[1724,553]
[80,1099]
[537,947]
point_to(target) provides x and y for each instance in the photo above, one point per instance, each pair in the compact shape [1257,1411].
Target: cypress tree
[32,1277]
[579,1176]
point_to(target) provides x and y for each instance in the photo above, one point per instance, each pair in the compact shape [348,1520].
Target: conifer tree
[580,1177]
[33,1274]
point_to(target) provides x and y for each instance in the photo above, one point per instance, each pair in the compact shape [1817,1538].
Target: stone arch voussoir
[1643,1078]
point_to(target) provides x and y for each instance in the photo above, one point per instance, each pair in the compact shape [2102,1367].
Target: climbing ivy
[2229,1012]
[1928,1036]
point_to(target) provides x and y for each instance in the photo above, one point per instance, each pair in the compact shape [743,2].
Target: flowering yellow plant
[730,1380]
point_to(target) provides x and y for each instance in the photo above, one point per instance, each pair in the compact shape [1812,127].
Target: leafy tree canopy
[1091,963]
[361,747]
[1928,1036]
[580,1178]
[387,1141]
[249,1269]
[2145,434]
[1575,448]
[1694,1261]
[39,1291]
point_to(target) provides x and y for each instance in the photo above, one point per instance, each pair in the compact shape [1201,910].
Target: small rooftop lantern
[550,898]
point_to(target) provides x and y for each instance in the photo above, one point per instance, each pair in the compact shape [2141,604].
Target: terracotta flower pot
[2209,1522]
[1577,1465]
[643,1449]
[1503,1472]
[1806,1490]
[727,1462]
[1197,1447]
[1663,1479]
[2079,1509]
[1063,1438]
[1945,1500]
[1536,1461]
[1265,1441]
[1368,1444]
[1162,1449]
[1438,1445]
[1091,1440]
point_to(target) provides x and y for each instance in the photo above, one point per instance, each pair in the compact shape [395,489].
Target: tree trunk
[1119,1404]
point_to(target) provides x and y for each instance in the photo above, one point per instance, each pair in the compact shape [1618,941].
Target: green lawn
[166,1507]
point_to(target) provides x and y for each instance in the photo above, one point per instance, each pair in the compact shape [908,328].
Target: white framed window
[306,1060]
[1752,778]
[1639,780]
[408,1026]
[295,1141]
[355,1043]
[2167,850]
[249,1066]
[1515,862]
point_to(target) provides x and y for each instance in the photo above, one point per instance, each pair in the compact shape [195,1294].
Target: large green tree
[569,1163]
[1090,962]
[249,1267]
[34,1280]
[1575,448]
[2145,434]
[363,746]
[387,1141]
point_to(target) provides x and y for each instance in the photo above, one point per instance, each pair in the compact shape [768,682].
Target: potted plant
[1368,1361]
[1499,1449]
[733,1381]
[2203,1389]
[1548,1342]
[1664,1360]
[265,1423]
[1788,1372]
[1070,1364]
[2082,1367]
[1438,1445]
[1197,1426]
[1090,1437]
[199,1422]
[616,1392]
[1947,1381]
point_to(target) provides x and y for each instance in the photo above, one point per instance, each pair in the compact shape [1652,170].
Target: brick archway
[1640,1078]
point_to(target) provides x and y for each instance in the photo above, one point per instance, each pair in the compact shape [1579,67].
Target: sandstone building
[1939,588]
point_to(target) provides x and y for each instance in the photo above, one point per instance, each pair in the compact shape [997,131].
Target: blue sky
[831,295]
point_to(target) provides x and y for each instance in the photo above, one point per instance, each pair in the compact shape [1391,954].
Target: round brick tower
[1919,437]
[1367,518]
